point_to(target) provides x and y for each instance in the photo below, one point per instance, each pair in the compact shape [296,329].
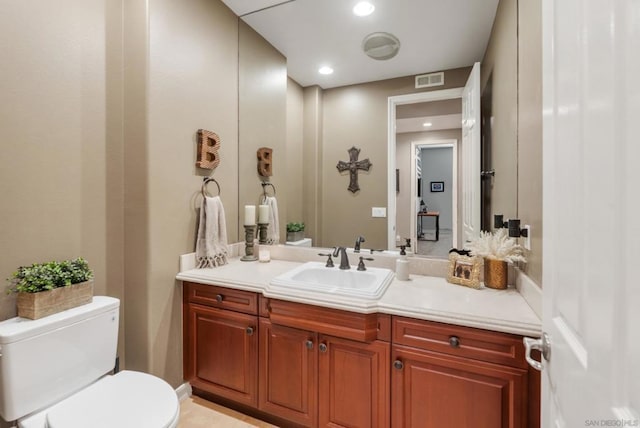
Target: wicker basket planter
[495,274]
[44,303]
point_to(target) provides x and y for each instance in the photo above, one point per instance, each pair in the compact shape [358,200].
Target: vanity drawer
[221,297]
[333,322]
[494,347]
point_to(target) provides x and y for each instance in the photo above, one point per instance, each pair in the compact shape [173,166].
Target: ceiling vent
[381,46]
[429,80]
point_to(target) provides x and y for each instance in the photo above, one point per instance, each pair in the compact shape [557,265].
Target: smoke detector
[381,46]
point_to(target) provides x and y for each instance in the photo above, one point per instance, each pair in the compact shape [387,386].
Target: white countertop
[423,297]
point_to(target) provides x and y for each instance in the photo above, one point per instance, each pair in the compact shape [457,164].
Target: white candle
[264,256]
[249,215]
[263,214]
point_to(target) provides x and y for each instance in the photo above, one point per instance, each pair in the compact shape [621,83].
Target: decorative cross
[353,166]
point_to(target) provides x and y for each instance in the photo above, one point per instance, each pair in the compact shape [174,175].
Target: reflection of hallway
[440,248]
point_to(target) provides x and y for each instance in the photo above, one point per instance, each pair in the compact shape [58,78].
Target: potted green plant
[295,231]
[497,249]
[46,288]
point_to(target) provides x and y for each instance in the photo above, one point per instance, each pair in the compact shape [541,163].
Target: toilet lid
[126,400]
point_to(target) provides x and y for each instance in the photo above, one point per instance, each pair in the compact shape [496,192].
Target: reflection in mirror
[427,139]
[311,128]
[262,83]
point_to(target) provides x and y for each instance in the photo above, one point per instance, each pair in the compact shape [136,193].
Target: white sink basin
[315,277]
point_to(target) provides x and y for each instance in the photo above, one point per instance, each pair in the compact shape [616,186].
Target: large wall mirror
[311,127]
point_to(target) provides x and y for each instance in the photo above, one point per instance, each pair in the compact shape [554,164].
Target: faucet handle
[371,251]
[361,265]
[329,260]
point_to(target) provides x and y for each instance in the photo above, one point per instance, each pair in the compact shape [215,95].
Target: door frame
[413,222]
[393,102]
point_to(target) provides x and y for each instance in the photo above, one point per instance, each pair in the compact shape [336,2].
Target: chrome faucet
[356,247]
[344,259]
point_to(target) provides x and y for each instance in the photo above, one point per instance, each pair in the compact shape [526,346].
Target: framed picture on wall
[437,186]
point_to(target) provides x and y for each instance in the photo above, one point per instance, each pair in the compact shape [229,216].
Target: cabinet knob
[219,298]
[309,344]
[398,364]
[454,341]
[323,347]
[249,330]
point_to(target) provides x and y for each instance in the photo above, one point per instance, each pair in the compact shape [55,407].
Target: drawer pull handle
[219,298]
[309,344]
[398,364]
[454,341]
[249,331]
[323,347]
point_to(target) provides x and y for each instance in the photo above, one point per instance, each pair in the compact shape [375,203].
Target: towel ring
[264,188]
[206,181]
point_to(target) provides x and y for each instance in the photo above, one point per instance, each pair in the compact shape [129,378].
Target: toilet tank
[43,361]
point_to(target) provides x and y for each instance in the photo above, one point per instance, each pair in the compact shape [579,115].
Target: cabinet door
[431,389]
[288,373]
[353,383]
[221,353]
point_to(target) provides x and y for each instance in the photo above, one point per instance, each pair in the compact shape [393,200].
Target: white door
[591,203]
[471,156]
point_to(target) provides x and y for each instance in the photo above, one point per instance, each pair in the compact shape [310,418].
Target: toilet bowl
[54,373]
[128,399]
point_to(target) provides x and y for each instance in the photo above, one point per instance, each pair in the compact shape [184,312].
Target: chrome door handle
[543,345]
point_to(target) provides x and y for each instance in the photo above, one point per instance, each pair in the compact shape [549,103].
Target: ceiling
[434,35]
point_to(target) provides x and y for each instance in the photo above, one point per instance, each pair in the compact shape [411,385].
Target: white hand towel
[273,230]
[211,245]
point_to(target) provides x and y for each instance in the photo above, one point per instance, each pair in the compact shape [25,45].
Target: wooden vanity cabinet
[310,366]
[353,383]
[288,384]
[221,342]
[318,379]
[446,375]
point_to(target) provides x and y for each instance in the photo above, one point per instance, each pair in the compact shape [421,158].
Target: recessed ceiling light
[325,70]
[427,124]
[363,8]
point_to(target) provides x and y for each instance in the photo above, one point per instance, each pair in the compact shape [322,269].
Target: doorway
[433,213]
[400,200]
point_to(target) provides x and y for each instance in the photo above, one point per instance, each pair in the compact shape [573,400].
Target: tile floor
[438,248]
[196,412]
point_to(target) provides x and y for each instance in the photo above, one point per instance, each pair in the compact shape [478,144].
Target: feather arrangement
[497,246]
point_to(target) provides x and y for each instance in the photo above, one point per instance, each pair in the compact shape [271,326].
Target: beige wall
[294,154]
[501,61]
[403,162]
[263,120]
[61,139]
[182,66]
[312,158]
[530,130]
[110,155]
[356,115]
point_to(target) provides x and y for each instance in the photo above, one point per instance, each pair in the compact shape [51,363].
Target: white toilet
[53,373]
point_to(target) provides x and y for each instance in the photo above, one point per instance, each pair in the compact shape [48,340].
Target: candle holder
[249,233]
[262,233]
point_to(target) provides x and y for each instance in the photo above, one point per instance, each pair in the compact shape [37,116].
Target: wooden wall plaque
[208,146]
[265,166]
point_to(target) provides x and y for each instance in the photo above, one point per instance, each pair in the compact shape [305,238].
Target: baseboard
[183,391]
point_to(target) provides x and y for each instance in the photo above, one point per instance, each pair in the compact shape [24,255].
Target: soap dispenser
[402,265]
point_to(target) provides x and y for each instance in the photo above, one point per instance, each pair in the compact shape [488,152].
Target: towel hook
[206,181]
[264,188]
